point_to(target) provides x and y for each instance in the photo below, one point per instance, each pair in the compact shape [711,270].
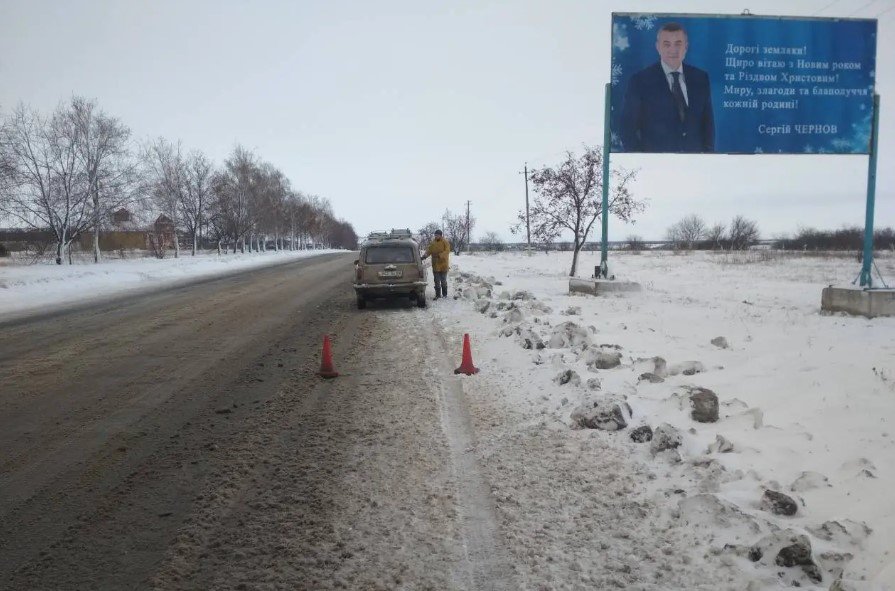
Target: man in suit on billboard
[668,105]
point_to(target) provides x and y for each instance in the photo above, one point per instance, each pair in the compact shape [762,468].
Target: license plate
[390,273]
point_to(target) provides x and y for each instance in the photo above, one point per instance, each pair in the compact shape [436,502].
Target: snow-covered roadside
[25,288]
[806,402]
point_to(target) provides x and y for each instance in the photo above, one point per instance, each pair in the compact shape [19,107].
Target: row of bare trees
[67,172]
[57,171]
[692,232]
[845,238]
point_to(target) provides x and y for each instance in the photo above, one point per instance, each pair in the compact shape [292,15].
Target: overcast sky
[398,110]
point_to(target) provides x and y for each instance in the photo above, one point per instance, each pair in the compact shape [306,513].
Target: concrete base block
[601,286]
[858,301]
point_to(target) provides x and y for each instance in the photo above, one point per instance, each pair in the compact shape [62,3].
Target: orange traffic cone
[466,365]
[326,365]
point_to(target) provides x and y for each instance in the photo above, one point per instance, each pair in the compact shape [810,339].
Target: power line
[825,7]
[891,8]
[862,8]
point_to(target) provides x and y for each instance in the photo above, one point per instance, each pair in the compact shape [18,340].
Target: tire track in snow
[487,561]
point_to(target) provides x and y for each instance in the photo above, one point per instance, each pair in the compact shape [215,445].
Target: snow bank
[803,404]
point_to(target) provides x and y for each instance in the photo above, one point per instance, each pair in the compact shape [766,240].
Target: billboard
[741,84]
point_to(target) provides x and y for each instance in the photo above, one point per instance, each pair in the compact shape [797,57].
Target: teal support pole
[867,262]
[604,215]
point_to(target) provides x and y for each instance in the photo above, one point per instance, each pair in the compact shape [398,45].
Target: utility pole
[468,239]
[527,222]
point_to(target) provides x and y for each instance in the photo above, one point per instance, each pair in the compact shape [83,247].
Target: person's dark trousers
[440,284]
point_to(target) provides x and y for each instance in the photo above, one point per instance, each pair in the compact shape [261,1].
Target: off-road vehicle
[389,265]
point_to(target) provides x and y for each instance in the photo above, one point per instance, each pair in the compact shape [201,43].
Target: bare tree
[456,229]
[692,229]
[235,192]
[568,198]
[673,235]
[321,218]
[343,236]
[291,206]
[743,233]
[217,227]
[336,233]
[635,243]
[306,220]
[492,242]
[7,168]
[195,199]
[273,188]
[166,176]
[104,151]
[46,186]
[302,220]
[715,235]
[427,234]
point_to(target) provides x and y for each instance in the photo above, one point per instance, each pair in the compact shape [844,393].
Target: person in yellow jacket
[440,251]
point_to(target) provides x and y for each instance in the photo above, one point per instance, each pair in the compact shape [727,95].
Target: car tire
[361,303]
[421,300]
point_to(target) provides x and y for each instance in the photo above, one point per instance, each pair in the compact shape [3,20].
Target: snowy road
[183,441]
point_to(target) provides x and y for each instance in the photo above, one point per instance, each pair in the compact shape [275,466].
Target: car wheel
[421,300]
[361,303]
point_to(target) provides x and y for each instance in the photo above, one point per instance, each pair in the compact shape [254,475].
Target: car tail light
[358,272]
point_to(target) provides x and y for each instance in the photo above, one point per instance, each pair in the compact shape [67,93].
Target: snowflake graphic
[861,132]
[620,37]
[616,73]
[645,23]
[842,145]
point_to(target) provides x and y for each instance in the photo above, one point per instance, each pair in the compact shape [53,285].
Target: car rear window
[389,254]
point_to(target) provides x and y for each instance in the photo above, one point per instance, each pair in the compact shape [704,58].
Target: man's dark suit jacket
[650,119]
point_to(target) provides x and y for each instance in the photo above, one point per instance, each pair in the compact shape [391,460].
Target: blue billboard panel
[741,84]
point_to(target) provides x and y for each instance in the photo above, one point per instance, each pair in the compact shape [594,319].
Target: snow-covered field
[806,408]
[806,404]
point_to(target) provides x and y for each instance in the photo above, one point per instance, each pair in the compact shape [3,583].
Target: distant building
[164,225]
[123,220]
[121,216]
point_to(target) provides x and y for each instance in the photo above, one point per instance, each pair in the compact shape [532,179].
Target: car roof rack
[401,233]
[394,234]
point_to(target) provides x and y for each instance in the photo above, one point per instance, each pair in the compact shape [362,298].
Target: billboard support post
[604,215]
[867,260]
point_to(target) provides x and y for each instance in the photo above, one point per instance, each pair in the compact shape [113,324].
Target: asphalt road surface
[182,440]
